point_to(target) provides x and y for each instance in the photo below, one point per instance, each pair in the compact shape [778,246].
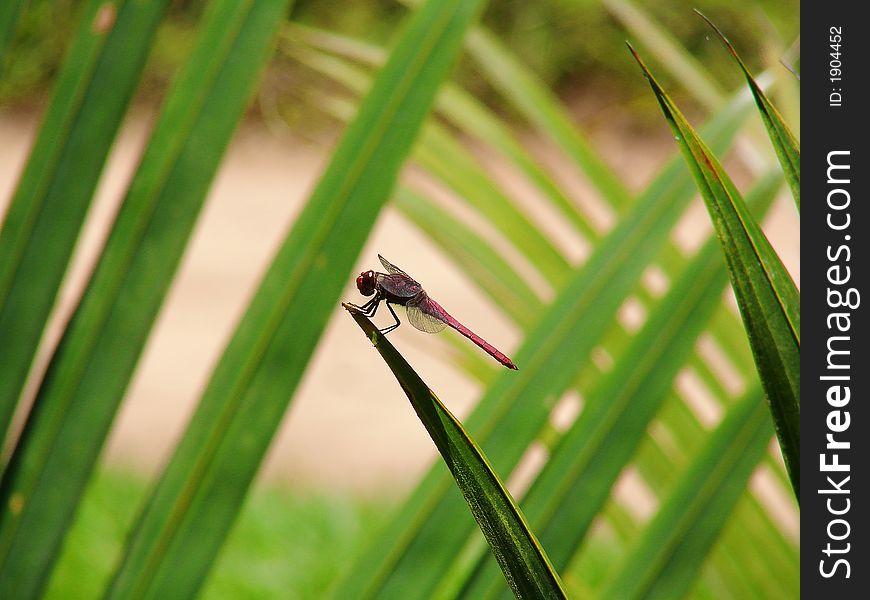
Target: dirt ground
[330,437]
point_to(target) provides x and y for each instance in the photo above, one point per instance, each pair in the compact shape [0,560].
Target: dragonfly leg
[387,330]
[369,308]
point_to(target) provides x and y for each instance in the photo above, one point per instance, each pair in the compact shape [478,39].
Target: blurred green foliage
[567,42]
[296,545]
[38,44]
[310,535]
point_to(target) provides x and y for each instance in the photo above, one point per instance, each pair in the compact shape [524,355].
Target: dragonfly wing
[390,267]
[423,320]
[398,285]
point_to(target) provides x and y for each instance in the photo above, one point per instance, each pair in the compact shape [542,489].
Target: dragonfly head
[365,283]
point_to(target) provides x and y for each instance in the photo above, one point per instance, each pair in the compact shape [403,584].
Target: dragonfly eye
[365,283]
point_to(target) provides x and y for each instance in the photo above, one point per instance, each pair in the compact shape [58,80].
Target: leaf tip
[790,69]
[633,52]
[639,61]
[722,36]
[657,89]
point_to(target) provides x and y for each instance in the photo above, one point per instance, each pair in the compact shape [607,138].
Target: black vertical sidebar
[835,299]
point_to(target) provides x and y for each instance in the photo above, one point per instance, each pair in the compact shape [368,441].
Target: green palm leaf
[525,565]
[784,143]
[10,12]
[98,79]
[88,374]
[667,558]
[577,479]
[767,296]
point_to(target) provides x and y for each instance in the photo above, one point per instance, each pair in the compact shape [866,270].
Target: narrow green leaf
[10,12]
[675,57]
[457,106]
[541,107]
[443,156]
[768,299]
[440,154]
[475,120]
[99,75]
[577,479]
[525,565]
[784,143]
[200,493]
[759,558]
[489,269]
[761,543]
[675,544]
[90,370]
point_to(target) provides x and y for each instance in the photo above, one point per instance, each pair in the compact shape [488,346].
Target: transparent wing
[422,320]
[390,267]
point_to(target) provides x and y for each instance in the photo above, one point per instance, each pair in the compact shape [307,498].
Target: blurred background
[350,447]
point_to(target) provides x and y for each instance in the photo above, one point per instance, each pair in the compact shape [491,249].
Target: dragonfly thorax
[365,283]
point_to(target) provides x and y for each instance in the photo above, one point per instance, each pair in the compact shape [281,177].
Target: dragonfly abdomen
[482,343]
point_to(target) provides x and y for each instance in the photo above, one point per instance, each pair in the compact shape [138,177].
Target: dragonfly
[397,287]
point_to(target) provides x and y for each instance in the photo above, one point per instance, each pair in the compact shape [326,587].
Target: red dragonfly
[397,287]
